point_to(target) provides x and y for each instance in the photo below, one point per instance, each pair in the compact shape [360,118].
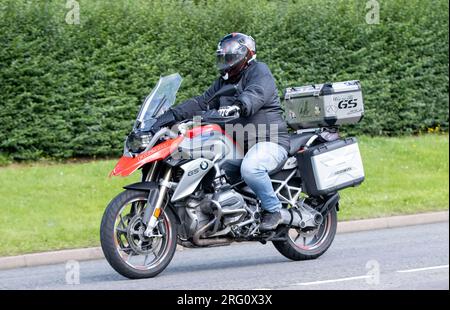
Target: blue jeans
[261,159]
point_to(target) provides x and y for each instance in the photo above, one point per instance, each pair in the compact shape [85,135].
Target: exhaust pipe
[208,242]
[318,219]
[302,217]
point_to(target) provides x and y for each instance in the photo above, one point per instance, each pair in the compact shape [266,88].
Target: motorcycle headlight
[138,141]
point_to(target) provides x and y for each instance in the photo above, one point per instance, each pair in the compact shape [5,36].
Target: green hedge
[74,90]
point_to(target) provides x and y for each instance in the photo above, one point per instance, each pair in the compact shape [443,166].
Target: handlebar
[212,116]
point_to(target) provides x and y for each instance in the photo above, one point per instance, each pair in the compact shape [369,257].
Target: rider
[257,103]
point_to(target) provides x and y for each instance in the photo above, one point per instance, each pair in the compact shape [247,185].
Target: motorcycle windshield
[161,98]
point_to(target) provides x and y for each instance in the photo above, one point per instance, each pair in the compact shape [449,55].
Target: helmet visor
[229,54]
[227,61]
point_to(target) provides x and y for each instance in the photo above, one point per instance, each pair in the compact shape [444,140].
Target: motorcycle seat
[298,140]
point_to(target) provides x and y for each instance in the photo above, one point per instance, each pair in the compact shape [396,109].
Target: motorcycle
[185,197]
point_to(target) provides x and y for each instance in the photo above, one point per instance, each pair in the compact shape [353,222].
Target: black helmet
[234,52]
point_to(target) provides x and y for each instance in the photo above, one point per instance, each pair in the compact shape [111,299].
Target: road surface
[414,257]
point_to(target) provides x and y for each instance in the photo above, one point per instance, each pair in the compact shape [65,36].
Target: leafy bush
[73,90]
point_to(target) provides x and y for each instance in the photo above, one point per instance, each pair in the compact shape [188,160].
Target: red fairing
[128,165]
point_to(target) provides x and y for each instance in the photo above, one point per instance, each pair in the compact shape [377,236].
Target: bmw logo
[204,165]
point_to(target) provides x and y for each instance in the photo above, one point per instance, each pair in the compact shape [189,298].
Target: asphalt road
[415,257]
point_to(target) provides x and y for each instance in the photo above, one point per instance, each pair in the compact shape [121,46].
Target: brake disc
[138,242]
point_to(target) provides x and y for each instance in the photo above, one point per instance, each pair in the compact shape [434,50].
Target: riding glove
[229,110]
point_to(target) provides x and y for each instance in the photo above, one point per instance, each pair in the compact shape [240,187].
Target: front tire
[122,245]
[296,247]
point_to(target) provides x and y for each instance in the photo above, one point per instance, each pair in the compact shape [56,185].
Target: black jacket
[257,95]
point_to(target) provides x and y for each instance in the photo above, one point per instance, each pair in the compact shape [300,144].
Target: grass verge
[58,206]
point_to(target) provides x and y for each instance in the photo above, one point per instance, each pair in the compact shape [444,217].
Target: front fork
[155,199]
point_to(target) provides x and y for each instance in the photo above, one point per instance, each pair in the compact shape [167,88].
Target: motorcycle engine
[199,211]
[230,201]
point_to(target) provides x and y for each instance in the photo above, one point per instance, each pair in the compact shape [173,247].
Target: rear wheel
[301,245]
[127,250]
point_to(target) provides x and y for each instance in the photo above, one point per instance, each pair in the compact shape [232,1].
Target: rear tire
[110,246]
[295,251]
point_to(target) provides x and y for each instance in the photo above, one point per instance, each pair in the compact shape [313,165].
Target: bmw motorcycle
[185,197]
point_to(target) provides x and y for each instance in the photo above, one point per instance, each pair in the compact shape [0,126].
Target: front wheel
[126,249]
[302,245]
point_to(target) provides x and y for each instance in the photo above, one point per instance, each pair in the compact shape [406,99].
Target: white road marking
[355,278]
[331,281]
[423,269]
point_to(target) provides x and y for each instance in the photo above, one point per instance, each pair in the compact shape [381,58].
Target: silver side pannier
[331,166]
[323,105]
